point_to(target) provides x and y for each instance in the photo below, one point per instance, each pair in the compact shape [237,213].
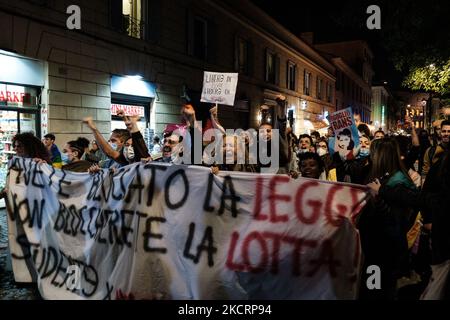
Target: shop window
[19,112]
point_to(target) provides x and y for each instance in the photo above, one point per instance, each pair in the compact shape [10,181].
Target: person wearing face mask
[364,150]
[172,149]
[128,151]
[71,157]
[305,144]
[323,152]
[114,148]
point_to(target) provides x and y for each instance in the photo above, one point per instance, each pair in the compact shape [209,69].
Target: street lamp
[424,110]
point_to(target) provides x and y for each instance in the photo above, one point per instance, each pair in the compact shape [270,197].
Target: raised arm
[414,136]
[102,143]
[139,146]
[215,120]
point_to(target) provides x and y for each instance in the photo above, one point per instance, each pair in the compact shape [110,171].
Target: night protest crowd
[404,227]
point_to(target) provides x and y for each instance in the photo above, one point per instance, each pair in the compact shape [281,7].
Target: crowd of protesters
[404,228]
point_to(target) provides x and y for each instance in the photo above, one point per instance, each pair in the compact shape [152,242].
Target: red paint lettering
[329,210]
[255,235]
[276,243]
[314,204]
[258,200]
[256,254]
[274,196]
[230,264]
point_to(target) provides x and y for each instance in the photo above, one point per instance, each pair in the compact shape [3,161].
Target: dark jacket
[383,224]
[78,166]
[353,171]
[436,193]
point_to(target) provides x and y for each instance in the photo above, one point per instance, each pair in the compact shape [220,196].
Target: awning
[132,86]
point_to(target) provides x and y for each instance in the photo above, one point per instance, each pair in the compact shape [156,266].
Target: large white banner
[178,232]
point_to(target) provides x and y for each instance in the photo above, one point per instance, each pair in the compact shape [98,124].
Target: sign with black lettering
[219,87]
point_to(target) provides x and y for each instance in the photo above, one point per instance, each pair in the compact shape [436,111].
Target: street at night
[194,150]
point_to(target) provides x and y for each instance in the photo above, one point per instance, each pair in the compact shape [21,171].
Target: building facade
[380,109]
[354,73]
[147,57]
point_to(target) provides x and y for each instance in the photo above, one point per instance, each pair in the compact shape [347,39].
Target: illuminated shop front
[21,83]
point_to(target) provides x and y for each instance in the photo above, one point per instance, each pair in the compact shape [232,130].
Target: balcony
[133,27]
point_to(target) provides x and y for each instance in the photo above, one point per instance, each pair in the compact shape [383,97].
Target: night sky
[335,21]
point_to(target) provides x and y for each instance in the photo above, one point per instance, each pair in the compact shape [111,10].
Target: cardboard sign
[219,87]
[346,136]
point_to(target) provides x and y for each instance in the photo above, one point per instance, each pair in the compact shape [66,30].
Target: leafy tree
[431,78]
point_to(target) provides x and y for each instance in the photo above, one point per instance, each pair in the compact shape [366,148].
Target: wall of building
[80,62]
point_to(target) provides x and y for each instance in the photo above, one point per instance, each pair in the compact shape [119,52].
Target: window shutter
[250,59]
[190,33]
[277,70]
[211,43]
[153,23]
[116,15]
[236,53]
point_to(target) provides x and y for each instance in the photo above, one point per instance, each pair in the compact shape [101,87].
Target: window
[291,75]
[272,66]
[242,56]
[306,82]
[126,16]
[132,19]
[329,93]
[319,88]
[199,41]
[338,80]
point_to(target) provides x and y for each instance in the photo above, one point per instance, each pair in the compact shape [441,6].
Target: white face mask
[128,153]
[321,151]
[303,150]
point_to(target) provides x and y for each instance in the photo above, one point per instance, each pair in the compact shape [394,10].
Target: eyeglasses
[169,141]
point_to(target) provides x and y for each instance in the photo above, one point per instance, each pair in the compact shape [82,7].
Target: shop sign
[129,110]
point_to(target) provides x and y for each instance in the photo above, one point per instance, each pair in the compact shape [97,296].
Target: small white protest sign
[219,87]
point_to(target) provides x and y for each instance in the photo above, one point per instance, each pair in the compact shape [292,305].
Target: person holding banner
[72,153]
[385,221]
[311,165]
[27,145]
